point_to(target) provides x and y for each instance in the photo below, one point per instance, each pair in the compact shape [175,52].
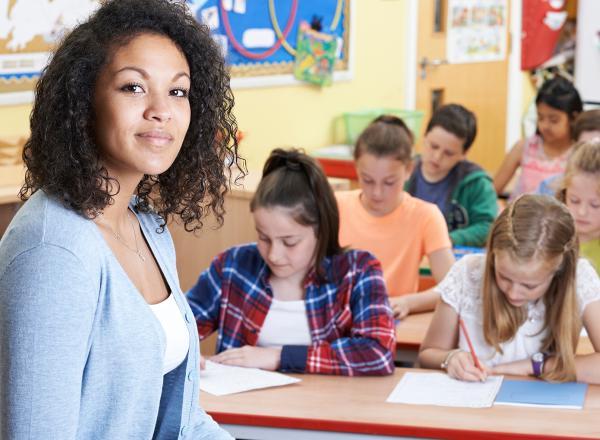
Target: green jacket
[472,203]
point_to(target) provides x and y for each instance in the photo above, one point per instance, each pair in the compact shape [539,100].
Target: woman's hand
[265,358]
[462,367]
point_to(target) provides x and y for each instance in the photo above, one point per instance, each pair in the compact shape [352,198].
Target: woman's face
[141,105]
[287,247]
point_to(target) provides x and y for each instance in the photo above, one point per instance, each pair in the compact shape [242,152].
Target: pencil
[464,329]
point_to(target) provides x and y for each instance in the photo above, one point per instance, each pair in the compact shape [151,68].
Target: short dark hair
[62,156]
[561,94]
[291,179]
[586,121]
[455,119]
[386,135]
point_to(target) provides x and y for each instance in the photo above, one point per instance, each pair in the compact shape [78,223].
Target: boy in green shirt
[442,175]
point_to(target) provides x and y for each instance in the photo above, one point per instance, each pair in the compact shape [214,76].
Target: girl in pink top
[545,153]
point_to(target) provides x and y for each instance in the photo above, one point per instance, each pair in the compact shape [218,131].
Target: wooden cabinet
[11,179]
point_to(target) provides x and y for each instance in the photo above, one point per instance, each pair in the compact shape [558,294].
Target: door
[479,86]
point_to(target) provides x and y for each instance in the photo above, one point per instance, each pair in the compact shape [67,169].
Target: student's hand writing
[265,358]
[202,362]
[462,367]
[400,307]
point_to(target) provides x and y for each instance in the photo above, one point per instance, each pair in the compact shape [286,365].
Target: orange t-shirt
[399,240]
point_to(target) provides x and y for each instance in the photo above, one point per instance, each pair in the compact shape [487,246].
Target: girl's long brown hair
[536,227]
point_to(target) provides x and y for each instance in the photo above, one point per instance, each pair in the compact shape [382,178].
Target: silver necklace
[137,250]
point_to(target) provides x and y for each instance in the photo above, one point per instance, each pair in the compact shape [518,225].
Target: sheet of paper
[221,380]
[440,389]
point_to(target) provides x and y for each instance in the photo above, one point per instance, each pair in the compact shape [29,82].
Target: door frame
[514,99]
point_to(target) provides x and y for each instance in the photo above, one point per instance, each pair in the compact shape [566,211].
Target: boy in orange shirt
[383,219]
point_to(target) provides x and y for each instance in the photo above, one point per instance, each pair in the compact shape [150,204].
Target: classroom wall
[303,115]
[14,121]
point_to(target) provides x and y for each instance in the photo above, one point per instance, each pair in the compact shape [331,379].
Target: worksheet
[220,380]
[440,389]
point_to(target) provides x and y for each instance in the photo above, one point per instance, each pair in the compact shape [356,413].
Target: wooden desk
[333,407]
[411,331]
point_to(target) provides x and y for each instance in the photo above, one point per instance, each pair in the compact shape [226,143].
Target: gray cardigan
[80,350]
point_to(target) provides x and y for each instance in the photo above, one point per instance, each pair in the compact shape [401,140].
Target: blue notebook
[538,393]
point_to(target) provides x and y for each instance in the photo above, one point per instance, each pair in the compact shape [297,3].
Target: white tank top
[285,324]
[176,332]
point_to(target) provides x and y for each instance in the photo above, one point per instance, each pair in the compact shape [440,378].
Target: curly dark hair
[62,156]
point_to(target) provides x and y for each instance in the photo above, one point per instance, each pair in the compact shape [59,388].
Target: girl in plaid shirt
[296,301]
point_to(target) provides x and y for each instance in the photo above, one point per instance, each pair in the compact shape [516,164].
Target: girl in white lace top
[523,303]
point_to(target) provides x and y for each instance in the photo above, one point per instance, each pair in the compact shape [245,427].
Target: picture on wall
[29,29]
[477,30]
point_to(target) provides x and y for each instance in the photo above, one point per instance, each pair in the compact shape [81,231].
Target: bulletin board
[258,37]
[28,34]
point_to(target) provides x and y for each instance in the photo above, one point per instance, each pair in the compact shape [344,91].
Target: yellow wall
[303,115]
[14,121]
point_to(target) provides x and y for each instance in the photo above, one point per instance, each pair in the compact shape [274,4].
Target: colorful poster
[28,31]
[477,30]
[315,56]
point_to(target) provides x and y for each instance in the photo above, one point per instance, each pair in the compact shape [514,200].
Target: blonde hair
[585,158]
[536,227]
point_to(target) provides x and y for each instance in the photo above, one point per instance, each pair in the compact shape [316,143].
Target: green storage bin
[356,122]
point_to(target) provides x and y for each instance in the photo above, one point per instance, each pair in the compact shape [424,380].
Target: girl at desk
[545,153]
[296,301]
[522,303]
[399,229]
[580,190]
[97,340]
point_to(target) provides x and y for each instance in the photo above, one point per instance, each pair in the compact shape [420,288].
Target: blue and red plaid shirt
[350,320]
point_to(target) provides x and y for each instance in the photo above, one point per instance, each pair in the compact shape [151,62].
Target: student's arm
[440,262]
[440,344]
[414,303]
[204,297]
[509,166]
[588,366]
[482,210]
[48,305]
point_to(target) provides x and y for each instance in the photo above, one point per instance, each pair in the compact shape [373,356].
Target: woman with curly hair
[131,126]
